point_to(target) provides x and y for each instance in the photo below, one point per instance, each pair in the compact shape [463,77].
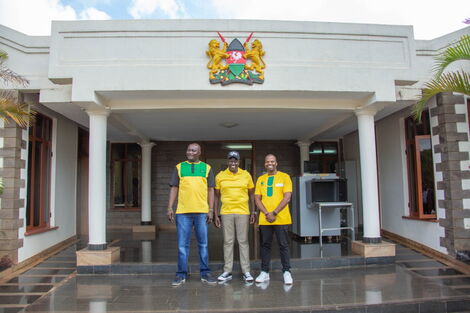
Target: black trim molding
[97,247]
[372,240]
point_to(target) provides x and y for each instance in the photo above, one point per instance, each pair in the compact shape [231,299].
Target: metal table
[335,205]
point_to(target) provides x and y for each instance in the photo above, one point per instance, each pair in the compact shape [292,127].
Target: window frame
[45,168]
[413,154]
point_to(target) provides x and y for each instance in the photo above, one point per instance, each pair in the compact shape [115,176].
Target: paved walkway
[414,284]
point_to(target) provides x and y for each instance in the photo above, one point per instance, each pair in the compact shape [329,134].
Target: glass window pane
[132,177]
[330,148]
[28,200]
[46,181]
[316,148]
[427,176]
[133,151]
[117,151]
[412,180]
[37,183]
[39,126]
[118,184]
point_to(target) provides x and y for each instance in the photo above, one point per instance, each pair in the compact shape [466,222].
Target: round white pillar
[97,181]
[304,154]
[370,192]
[146,210]
[146,246]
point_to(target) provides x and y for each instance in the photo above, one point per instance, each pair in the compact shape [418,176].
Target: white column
[370,192]
[146,211]
[97,181]
[146,246]
[304,154]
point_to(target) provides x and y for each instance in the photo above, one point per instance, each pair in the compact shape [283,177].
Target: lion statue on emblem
[216,55]
[256,55]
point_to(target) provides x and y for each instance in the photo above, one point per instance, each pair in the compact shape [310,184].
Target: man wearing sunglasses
[272,195]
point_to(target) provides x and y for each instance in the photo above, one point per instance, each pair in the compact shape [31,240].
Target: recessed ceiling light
[238,146]
[229,124]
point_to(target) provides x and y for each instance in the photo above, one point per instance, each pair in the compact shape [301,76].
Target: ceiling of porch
[227,115]
[226,124]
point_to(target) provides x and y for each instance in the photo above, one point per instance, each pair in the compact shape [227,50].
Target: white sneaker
[288,278]
[262,277]
[247,277]
[225,276]
[264,285]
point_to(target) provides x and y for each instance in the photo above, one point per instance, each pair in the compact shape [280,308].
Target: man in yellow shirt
[272,195]
[193,182]
[235,187]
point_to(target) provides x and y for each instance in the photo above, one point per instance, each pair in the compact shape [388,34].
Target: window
[39,173]
[420,168]
[323,157]
[125,175]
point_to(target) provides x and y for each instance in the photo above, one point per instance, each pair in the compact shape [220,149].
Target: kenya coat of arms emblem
[236,62]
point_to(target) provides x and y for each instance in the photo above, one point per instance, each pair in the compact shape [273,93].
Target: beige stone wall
[11,164]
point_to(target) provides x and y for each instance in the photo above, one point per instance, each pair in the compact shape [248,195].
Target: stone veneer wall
[452,167]
[11,164]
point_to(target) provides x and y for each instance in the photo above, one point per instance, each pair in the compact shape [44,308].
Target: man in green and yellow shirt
[272,195]
[235,188]
[193,183]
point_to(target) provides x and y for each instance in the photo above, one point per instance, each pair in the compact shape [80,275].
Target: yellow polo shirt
[271,188]
[192,180]
[234,191]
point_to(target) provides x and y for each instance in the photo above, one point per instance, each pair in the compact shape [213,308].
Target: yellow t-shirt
[192,192]
[272,189]
[234,191]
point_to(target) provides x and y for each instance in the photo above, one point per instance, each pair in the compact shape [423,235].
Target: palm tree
[456,81]
[10,108]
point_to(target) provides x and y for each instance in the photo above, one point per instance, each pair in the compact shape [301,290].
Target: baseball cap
[233,154]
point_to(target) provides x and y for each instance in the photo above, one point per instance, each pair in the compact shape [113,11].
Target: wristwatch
[274,213]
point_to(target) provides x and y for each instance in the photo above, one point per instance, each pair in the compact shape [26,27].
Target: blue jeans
[184,227]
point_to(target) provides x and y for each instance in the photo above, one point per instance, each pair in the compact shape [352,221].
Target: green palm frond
[458,81]
[7,75]
[460,51]
[20,113]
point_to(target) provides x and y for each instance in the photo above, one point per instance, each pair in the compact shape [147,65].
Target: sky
[429,18]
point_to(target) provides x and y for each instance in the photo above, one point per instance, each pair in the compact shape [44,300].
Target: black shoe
[179,280]
[207,278]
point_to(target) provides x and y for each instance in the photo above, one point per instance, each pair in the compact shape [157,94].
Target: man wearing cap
[193,183]
[234,187]
[272,195]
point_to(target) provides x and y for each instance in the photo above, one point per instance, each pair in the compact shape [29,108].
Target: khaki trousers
[236,224]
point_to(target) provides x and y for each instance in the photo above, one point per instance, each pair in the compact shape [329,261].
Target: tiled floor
[21,291]
[414,283]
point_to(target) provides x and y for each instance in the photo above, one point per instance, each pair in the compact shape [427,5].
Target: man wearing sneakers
[235,188]
[193,183]
[272,195]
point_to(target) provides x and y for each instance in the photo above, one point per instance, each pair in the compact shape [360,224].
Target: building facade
[118,101]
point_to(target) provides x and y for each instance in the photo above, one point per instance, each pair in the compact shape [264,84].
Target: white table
[335,205]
